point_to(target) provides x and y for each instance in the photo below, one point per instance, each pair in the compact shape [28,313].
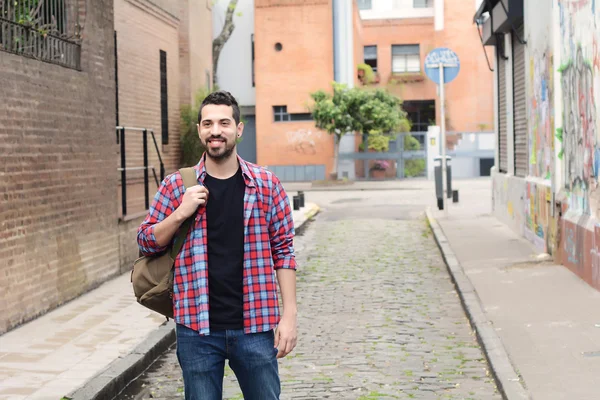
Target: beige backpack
[152,276]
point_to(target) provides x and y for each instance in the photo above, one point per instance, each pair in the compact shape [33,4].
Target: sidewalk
[95,338]
[538,313]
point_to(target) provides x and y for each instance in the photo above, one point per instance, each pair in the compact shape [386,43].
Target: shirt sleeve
[281,229]
[161,208]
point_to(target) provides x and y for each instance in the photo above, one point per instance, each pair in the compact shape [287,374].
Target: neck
[222,169]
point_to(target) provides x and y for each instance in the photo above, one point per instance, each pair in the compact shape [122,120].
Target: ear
[240,129]
[198,127]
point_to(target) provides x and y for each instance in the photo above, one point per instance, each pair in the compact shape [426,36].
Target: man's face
[218,131]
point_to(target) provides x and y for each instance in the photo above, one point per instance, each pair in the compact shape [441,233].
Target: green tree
[376,113]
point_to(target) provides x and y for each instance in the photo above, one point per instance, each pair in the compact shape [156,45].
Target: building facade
[134,63]
[58,226]
[547,80]
[391,36]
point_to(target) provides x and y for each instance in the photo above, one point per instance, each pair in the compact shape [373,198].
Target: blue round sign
[445,56]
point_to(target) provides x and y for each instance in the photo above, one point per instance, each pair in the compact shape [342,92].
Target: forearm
[164,230]
[287,285]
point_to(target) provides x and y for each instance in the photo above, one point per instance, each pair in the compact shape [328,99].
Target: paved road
[378,314]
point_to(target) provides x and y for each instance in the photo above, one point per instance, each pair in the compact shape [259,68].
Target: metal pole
[145,144]
[123,175]
[443,139]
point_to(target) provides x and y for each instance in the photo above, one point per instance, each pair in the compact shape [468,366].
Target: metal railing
[120,130]
[39,29]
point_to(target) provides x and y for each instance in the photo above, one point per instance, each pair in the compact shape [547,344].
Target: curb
[507,379]
[119,373]
[108,383]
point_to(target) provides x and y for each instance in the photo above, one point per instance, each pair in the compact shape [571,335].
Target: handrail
[120,132]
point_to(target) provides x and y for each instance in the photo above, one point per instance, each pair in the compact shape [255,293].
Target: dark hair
[221,97]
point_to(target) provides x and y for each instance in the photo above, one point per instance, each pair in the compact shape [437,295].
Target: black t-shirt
[225,224]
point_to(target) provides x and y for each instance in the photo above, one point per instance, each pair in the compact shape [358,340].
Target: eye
[206,124]
[226,122]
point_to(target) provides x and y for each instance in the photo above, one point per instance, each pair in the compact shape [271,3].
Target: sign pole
[437,63]
[443,140]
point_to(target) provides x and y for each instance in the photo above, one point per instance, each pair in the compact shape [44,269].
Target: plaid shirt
[268,246]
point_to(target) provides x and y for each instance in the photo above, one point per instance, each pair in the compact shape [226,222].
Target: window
[405,58]
[40,29]
[422,3]
[370,56]
[280,114]
[364,4]
[164,115]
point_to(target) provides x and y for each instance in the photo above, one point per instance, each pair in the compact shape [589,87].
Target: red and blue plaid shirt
[268,246]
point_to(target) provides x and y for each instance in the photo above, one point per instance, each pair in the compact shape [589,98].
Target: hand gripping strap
[189,180]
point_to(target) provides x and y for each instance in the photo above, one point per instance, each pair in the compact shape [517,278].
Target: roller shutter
[502,151]
[520,105]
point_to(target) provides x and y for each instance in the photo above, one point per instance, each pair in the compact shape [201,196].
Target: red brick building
[62,226]
[294,44]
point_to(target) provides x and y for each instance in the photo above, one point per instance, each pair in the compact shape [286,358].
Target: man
[225,296]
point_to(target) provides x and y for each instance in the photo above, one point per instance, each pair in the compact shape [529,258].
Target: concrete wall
[287,77]
[557,205]
[58,231]
[234,71]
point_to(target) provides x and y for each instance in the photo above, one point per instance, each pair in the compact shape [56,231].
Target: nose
[214,130]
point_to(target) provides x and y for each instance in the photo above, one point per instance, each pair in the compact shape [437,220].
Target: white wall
[234,72]
[392,9]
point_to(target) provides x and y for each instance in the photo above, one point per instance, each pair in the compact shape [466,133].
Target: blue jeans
[252,357]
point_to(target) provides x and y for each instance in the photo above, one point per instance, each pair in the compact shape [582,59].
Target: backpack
[152,276]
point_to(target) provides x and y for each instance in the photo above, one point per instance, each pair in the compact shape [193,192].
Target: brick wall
[384,34]
[143,29]
[287,78]
[469,98]
[195,47]
[58,236]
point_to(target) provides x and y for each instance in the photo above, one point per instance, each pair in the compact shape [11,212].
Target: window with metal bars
[41,29]
[164,104]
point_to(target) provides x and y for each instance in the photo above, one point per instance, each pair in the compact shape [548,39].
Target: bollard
[296,202]
[455,196]
[301,197]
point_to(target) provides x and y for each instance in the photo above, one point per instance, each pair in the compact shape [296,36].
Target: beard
[221,153]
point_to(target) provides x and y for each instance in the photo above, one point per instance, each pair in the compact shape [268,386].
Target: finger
[290,346]
[283,343]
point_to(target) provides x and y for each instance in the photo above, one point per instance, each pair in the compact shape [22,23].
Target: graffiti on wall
[541,116]
[540,225]
[579,121]
[580,84]
[508,200]
[304,141]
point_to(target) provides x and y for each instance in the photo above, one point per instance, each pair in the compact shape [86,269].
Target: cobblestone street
[378,318]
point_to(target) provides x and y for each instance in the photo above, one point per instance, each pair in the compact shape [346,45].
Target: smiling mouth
[215,142]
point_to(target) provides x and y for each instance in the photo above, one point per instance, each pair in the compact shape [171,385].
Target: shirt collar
[246,173]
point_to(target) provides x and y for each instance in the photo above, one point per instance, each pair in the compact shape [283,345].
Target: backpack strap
[189,180]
